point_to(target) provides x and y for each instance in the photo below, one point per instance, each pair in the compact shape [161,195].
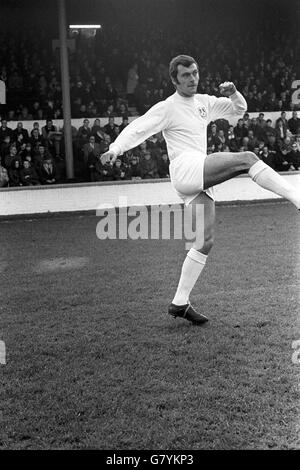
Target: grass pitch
[94,361]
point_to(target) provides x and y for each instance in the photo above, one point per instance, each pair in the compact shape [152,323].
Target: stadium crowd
[127,67]
[37,157]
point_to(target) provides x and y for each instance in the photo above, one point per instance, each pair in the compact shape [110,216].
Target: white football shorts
[186,173]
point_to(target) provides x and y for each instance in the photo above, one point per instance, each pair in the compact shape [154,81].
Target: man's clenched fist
[227,88]
[107,157]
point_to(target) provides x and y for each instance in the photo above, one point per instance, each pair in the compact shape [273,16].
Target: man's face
[187,80]
[294,147]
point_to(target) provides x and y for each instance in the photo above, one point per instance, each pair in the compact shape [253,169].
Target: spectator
[24,115]
[240,131]
[280,130]
[232,142]
[252,140]
[26,152]
[163,166]
[5,131]
[124,123]
[97,131]
[110,128]
[110,111]
[294,123]
[123,111]
[5,148]
[40,154]
[285,145]
[83,134]
[110,94]
[103,172]
[48,172]
[222,139]
[36,139]
[148,166]
[91,147]
[14,174]
[135,171]
[253,126]
[11,157]
[36,110]
[294,156]
[269,129]
[132,83]
[212,138]
[119,171]
[272,144]
[281,162]
[261,126]
[224,124]
[267,157]
[92,165]
[297,142]
[245,144]
[20,131]
[3,177]
[116,133]
[48,132]
[284,120]
[256,150]
[28,175]
[36,125]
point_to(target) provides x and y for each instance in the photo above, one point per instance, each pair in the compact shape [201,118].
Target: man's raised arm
[231,104]
[153,121]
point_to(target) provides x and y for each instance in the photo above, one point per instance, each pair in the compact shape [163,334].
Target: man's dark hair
[184,60]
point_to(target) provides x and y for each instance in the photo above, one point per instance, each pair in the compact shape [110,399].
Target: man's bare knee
[248,159]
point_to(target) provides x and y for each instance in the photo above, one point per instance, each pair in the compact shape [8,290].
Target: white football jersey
[182,120]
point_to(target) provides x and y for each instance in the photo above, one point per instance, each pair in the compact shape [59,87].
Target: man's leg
[219,167]
[195,260]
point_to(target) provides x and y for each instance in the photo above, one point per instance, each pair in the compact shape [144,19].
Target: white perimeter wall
[90,196]
[104,120]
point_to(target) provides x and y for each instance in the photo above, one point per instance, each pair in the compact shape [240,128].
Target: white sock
[267,178]
[191,270]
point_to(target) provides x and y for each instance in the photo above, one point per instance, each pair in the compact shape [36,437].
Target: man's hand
[107,157]
[227,89]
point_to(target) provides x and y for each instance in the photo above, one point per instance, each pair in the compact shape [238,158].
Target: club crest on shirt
[202,111]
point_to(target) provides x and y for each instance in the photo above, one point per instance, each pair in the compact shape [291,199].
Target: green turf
[93,361]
